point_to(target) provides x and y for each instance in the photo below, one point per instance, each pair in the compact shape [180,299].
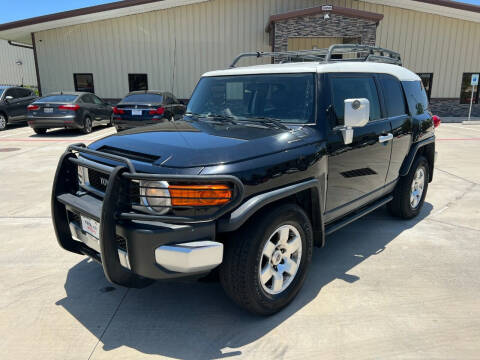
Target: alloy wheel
[418,184]
[3,122]
[280,259]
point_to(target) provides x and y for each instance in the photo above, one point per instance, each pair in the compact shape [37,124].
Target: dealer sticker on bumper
[91,226]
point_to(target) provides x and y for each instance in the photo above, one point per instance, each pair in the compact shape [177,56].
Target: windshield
[57,98]
[143,98]
[287,98]
[1,92]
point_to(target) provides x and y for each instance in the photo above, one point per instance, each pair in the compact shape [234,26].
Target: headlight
[154,195]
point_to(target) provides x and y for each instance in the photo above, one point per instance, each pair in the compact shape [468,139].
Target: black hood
[196,143]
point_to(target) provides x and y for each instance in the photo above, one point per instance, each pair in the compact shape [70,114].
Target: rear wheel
[3,122]
[409,195]
[265,263]
[87,125]
[40,131]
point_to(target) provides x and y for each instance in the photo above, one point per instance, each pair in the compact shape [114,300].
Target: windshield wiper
[219,117]
[268,120]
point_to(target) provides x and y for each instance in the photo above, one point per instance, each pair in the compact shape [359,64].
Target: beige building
[17,66]
[167,44]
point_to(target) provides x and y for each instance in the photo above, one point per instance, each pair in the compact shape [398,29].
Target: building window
[137,82]
[466,91]
[427,79]
[84,82]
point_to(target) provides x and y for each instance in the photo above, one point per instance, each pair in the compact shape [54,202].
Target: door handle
[384,138]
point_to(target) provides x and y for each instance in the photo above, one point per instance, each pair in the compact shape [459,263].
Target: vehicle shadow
[66,133]
[193,320]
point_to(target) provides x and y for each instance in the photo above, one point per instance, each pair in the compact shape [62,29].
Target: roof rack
[335,53]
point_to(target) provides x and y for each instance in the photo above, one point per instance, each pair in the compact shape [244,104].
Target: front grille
[98,180]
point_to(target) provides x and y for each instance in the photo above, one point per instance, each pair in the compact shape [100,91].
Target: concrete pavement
[382,287]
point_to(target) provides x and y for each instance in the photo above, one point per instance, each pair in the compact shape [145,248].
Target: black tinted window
[13,93]
[393,96]
[351,88]
[83,82]
[137,82]
[416,97]
[143,98]
[58,98]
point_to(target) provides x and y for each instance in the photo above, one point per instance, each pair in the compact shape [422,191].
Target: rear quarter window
[392,95]
[416,97]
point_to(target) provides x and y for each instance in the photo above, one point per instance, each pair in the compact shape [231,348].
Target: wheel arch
[308,195]
[422,148]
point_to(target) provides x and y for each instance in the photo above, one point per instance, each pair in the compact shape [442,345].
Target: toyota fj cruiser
[267,161]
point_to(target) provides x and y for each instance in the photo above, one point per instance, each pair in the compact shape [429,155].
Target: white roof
[399,72]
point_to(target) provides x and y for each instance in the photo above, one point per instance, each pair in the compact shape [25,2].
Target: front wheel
[265,263]
[3,122]
[409,195]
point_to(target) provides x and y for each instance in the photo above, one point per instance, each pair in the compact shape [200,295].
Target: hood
[196,143]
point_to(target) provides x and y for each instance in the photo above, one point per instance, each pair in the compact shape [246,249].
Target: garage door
[309,43]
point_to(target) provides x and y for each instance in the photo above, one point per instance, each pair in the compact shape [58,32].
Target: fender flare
[407,163]
[239,216]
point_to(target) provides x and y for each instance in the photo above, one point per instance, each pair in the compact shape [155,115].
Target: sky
[24,9]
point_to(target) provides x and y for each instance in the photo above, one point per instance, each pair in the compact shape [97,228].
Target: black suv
[267,161]
[13,104]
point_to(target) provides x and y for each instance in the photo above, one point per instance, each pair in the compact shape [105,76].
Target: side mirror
[8,98]
[356,114]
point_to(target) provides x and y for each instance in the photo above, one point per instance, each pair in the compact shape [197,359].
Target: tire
[3,122]
[409,194]
[87,125]
[244,258]
[40,131]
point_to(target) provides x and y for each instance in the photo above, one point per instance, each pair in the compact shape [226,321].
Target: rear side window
[393,96]
[346,87]
[143,98]
[58,98]
[416,97]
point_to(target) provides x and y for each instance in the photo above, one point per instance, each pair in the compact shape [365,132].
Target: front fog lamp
[155,196]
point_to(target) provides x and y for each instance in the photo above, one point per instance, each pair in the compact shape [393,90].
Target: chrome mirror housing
[356,114]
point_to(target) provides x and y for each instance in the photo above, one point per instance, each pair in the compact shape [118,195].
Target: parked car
[266,163]
[13,104]
[69,110]
[140,108]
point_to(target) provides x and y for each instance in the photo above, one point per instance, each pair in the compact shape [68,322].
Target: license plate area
[137,112]
[48,110]
[90,226]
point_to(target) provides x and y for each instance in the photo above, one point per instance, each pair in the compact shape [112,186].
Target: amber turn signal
[199,195]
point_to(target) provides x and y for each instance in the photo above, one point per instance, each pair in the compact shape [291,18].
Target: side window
[88,99]
[350,87]
[416,97]
[96,100]
[393,96]
[168,100]
[83,82]
[15,93]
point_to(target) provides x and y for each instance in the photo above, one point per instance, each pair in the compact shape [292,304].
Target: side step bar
[329,229]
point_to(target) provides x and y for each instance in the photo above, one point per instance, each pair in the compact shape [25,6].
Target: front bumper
[154,247]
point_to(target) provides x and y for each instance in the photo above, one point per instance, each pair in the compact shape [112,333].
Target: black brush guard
[116,217]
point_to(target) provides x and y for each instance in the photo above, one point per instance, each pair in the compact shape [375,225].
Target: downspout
[34,47]
[10,42]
